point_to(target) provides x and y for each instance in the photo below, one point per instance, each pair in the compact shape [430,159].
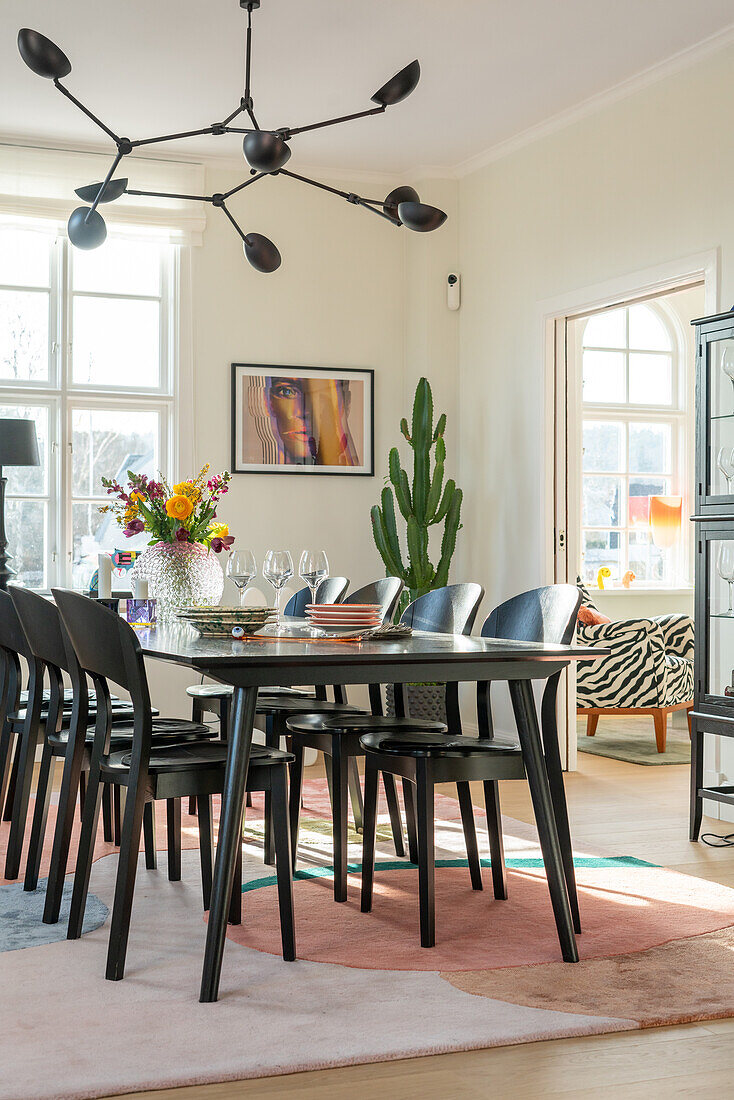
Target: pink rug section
[623,910]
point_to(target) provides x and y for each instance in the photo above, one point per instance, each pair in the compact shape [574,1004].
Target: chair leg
[7,739]
[12,781]
[107,831]
[82,794]
[411,820]
[426,853]
[151,853]
[135,811]
[696,810]
[235,900]
[660,719]
[355,794]
[470,834]
[553,767]
[496,843]
[173,828]
[281,836]
[272,740]
[206,846]
[592,721]
[65,813]
[294,798]
[117,815]
[85,853]
[340,784]
[25,759]
[369,831]
[393,806]
[40,817]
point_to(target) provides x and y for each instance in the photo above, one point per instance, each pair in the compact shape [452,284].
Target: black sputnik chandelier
[266,151]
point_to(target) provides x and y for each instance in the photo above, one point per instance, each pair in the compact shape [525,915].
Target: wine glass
[278,568]
[727,361]
[725,567]
[313,569]
[725,462]
[241,569]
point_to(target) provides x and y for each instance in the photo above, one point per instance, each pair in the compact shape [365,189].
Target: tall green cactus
[428,502]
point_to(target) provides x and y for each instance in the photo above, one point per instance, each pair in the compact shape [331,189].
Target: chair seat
[171,731]
[360,723]
[436,745]
[68,695]
[272,704]
[207,754]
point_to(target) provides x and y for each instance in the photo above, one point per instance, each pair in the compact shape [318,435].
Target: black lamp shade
[42,55]
[87,228]
[421,218]
[399,86]
[18,443]
[265,151]
[261,253]
[113,190]
[393,200]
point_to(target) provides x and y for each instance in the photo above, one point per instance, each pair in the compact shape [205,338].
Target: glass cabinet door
[715,415]
[715,654]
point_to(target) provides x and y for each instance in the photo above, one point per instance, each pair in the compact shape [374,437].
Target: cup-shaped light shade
[86,232]
[112,191]
[393,200]
[18,443]
[421,218]
[261,253]
[665,520]
[265,151]
[399,86]
[42,55]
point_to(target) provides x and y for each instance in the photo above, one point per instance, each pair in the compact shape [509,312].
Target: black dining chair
[423,760]
[107,649]
[41,624]
[449,610]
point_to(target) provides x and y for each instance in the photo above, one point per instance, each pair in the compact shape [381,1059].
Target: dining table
[297,657]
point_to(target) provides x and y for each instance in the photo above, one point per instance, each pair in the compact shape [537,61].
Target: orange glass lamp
[666,514]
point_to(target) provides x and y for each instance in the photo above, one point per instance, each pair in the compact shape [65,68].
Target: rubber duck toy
[605,571]
[627,579]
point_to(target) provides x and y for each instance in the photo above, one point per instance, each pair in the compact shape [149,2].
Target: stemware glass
[313,568]
[725,462]
[278,568]
[725,567]
[727,361]
[241,569]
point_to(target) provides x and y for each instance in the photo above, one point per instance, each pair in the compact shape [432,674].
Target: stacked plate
[226,622]
[344,616]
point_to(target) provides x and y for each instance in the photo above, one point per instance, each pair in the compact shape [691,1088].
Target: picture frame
[302,420]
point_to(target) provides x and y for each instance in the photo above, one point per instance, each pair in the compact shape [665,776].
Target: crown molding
[680,61]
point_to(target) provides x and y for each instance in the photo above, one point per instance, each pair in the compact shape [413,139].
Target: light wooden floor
[638,811]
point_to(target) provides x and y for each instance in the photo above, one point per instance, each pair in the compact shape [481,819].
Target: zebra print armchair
[649,670]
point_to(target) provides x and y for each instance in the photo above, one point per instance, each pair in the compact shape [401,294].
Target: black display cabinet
[713,707]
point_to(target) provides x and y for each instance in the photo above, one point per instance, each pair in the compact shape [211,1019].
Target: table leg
[73,761]
[230,838]
[523,705]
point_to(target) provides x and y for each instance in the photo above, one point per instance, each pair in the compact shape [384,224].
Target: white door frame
[560,547]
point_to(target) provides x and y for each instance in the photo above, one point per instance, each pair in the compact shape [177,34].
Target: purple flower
[182,535]
[134,527]
[219,544]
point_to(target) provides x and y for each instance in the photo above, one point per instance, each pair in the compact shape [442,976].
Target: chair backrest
[41,625]
[385,592]
[546,614]
[331,590]
[105,645]
[449,610]
[12,636]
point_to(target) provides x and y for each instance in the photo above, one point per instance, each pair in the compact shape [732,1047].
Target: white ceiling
[491,69]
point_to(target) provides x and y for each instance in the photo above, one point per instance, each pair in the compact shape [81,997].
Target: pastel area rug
[656,949]
[633,740]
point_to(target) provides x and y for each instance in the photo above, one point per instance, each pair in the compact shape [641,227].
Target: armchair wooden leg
[592,721]
[660,718]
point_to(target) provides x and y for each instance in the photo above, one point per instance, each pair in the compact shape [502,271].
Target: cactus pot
[426,702]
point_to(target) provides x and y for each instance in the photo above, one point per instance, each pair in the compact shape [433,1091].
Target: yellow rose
[189,490]
[179,507]
[219,530]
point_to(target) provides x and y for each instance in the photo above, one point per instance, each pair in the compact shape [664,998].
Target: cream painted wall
[644,182]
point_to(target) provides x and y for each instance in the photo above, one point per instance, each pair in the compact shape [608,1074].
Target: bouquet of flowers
[186,513]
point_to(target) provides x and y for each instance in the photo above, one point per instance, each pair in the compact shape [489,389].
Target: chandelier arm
[234,223]
[241,186]
[335,121]
[102,186]
[167,195]
[86,111]
[380,213]
[239,130]
[172,137]
[314,183]
[248,56]
[253,120]
[237,111]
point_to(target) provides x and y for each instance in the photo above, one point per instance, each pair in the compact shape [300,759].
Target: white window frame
[61,395]
[676,416]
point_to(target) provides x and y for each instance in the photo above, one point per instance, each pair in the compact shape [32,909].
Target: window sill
[684,590]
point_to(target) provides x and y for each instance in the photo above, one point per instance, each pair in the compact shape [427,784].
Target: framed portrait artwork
[302,420]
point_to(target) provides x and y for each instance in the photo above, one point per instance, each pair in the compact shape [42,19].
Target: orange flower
[179,507]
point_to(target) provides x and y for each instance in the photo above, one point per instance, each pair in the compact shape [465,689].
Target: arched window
[634,440]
